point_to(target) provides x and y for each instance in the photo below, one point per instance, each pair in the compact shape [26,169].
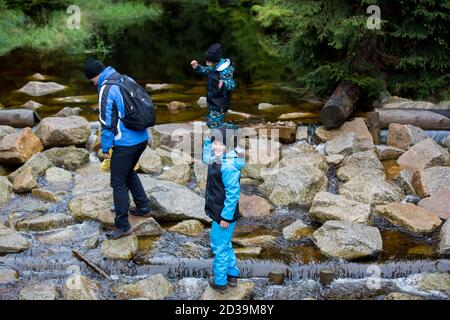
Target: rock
[357,126]
[201,174]
[37,88]
[6,191]
[46,195]
[17,148]
[11,241]
[190,288]
[254,241]
[25,181]
[444,244]
[388,152]
[430,181]
[38,164]
[155,287]
[91,172]
[243,291]
[68,112]
[302,134]
[78,287]
[360,162]
[92,242]
[179,173]
[347,240]
[188,227]
[439,203]
[404,136]
[6,130]
[123,248]
[8,275]
[401,296]
[295,185]
[261,151]
[248,251]
[424,154]
[327,206]
[45,222]
[177,134]
[395,102]
[446,142]
[297,230]
[284,131]
[150,161]
[156,86]
[31,105]
[266,106]
[404,180]
[55,176]
[371,189]
[69,158]
[254,206]
[345,144]
[431,281]
[37,76]
[90,98]
[312,159]
[175,106]
[410,216]
[202,102]
[39,291]
[91,206]
[63,131]
[334,159]
[144,227]
[67,235]
[297,115]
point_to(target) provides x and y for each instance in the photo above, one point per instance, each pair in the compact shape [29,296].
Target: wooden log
[18,118]
[276,276]
[422,118]
[96,268]
[340,105]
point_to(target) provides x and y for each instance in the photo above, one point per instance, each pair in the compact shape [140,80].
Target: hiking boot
[232,281]
[117,233]
[220,289]
[135,211]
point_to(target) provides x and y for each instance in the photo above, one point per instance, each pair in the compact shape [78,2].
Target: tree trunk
[18,118]
[340,105]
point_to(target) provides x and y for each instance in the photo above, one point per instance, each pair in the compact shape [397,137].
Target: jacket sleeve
[106,117]
[207,150]
[227,77]
[230,178]
[202,70]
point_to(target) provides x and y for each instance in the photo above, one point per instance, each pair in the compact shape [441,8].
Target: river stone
[190,288]
[395,102]
[243,291]
[432,180]
[8,275]
[312,159]
[295,185]
[156,86]
[61,132]
[6,190]
[439,203]
[345,144]
[55,176]
[444,244]
[25,181]
[175,106]
[327,206]
[179,173]
[11,241]
[68,112]
[424,154]
[388,152]
[31,105]
[254,206]
[37,88]
[285,131]
[401,296]
[172,134]
[6,130]
[39,291]
[188,227]
[371,189]
[91,206]
[410,216]
[347,240]
[155,287]
[446,142]
[254,241]
[357,126]
[404,136]
[202,102]
[261,151]
[69,158]
[17,148]
[201,174]
[91,172]
[124,248]
[38,164]
[359,163]
[432,281]
[302,133]
[67,235]
[404,180]
[254,251]
[78,287]
[45,222]
[144,227]
[47,195]
[297,230]
[335,159]
[150,161]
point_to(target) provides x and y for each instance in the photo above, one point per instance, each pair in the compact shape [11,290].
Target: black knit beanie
[214,53]
[93,68]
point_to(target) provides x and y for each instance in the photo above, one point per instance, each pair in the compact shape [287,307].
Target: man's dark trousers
[124,178]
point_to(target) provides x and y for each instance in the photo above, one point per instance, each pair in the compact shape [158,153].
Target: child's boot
[232,281]
[219,288]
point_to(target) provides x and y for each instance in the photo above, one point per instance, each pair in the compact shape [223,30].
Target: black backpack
[139,110]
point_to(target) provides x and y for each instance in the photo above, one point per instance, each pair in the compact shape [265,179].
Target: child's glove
[105,166]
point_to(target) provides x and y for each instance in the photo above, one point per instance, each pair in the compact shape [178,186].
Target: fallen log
[90,264]
[18,118]
[340,105]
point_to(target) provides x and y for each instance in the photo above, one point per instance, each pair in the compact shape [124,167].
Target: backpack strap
[103,95]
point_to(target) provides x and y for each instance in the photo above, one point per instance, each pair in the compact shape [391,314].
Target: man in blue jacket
[222,202]
[127,146]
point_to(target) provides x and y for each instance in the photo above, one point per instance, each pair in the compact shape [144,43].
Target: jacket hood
[105,75]
[232,158]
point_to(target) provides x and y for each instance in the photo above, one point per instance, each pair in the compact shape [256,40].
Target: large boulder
[430,181]
[6,130]
[285,132]
[439,203]
[254,206]
[435,282]
[45,222]
[345,145]
[91,206]
[37,88]
[444,244]
[424,154]
[11,241]
[173,134]
[58,176]
[179,173]
[150,161]
[360,162]
[295,185]
[78,287]
[38,164]
[357,126]
[395,102]
[347,240]
[312,159]
[124,248]
[388,152]
[297,230]
[327,206]
[25,181]
[188,227]
[371,189]
[39,291]
[61,132]
[190,288]
[261,151]
[155,287]
[404,180]
[17,148]
[201,174]
[69,158]
[410,216]
[404,136]
[6,191]
[243,291]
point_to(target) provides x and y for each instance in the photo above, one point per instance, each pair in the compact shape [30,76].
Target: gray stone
[58,176]
[179,173]
[424,154]
[388,152]
[345,145]
[297,230]
[150,161]
[11,241]
[63,131]
[430,181]
[69,158]
[444,244]
[155,287]
[243,291]
[39,291]
[8,275]
[25,181]
[6,190]
[45,222]
[79,287]
[404,136]
[190,288]
[188,227]
[123,248]
[37,88]
[38,164]
[68,112]
[359,163]
[404,180]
